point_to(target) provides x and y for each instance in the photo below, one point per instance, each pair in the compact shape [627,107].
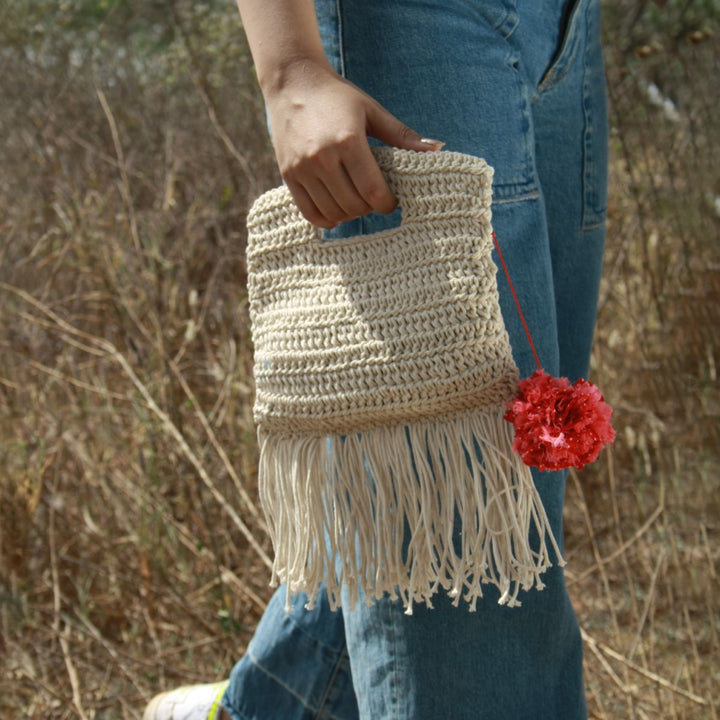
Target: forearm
[281,35]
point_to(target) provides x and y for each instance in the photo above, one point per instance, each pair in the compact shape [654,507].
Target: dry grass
[132,553]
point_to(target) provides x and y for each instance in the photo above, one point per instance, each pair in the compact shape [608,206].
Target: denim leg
[295,668]
[495,79]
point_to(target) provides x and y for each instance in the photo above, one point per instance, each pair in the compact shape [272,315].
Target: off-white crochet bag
[382,367]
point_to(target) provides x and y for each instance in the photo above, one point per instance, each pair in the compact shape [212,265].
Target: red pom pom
[559,425]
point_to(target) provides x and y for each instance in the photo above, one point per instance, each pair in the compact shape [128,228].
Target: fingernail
[435,144]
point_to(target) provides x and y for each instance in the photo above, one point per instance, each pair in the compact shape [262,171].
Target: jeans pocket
[596,123]
[568,45]
[576,72]
[501,15]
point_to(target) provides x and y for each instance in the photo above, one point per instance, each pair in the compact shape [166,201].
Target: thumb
[385,127]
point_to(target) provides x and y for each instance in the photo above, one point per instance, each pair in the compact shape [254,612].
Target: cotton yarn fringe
[311,490]
[382,369]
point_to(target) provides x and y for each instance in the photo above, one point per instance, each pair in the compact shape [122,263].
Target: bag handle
[428,185]
[434,184]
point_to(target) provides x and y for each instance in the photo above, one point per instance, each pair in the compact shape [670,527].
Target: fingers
[339,183]
[328,201]
[369,182]
[384,126]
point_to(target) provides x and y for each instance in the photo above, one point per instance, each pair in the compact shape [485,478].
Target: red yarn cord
[517,302]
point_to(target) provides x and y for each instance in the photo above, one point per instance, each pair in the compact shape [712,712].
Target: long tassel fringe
[405,511]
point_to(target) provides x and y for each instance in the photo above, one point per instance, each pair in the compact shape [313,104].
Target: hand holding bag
[382,370]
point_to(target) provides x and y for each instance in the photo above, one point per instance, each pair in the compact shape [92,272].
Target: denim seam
[527,175]
[592,214]
[232,711]
[235,714]
[341,49]
[299,628]
[336,671]
[562,62]
[532,195]
[508,24]
[280,682]
[396,671]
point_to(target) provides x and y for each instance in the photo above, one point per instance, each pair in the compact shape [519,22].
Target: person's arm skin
[320,121]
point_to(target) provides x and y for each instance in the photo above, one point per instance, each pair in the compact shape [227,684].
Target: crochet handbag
[382,370]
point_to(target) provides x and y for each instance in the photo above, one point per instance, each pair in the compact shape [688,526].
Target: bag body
[382,370]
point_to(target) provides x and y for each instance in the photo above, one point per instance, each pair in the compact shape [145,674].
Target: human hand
[320,124]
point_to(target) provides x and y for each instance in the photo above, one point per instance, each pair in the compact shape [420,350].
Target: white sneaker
[191,702]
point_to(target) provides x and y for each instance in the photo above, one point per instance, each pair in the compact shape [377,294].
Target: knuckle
[337,217]
[360,208]
[407,133]
[290,172]
[379,196]
[327,156]
[319,220]
[348,141]
[302,165]
[321,160]
[328,217]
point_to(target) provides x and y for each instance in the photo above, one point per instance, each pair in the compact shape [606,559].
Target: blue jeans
[520,83]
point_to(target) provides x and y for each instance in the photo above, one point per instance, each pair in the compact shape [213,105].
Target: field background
[132,551]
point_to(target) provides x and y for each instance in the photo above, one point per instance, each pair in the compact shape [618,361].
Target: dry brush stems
[216,444]
[125,184]
[598,647]
[618,551]
[210,105]
[102,347]
[61,633]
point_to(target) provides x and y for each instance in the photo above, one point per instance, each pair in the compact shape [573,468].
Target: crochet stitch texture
[382,368]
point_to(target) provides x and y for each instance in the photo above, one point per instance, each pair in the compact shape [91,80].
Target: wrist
[300,69]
